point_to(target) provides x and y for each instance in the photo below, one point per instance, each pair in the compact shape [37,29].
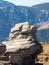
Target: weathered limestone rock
[1,63]
[22,42]
[22,30]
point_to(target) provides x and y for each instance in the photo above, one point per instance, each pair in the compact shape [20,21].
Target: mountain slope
[42,18]
[11,14]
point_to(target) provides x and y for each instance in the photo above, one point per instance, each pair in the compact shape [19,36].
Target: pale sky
[27,2]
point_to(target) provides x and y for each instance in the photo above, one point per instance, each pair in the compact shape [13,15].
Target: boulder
[22,42]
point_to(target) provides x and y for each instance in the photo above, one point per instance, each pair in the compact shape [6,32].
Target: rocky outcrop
[23,30]
[22,43]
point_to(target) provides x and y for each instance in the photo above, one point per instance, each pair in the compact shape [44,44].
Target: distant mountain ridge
[11,14]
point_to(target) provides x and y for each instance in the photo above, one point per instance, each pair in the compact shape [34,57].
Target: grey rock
[1,63]
[22,42]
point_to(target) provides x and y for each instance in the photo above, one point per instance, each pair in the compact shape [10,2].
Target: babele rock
[22,43]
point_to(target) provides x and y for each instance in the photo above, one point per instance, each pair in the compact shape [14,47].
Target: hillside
[11,14]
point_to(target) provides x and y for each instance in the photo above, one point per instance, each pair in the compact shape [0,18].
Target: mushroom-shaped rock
[22,42]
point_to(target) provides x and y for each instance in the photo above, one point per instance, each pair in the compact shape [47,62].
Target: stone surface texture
[22,42]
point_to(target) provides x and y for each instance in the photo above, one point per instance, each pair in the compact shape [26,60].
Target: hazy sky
[27,2]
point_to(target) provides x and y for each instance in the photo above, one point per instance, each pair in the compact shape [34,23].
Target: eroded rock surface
[22,42]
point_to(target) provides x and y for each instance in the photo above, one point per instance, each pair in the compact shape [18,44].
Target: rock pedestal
[22,43]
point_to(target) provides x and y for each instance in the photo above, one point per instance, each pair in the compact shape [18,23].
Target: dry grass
[44,56]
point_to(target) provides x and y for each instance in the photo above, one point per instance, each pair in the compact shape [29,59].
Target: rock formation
[22,43]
